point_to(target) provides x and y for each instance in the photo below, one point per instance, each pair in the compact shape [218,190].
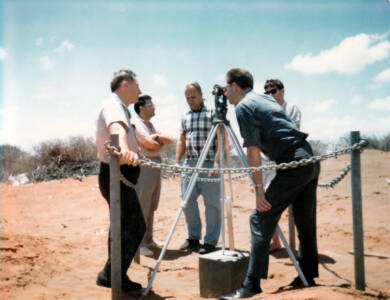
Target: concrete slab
[221,272]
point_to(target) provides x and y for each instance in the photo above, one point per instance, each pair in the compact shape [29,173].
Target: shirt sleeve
[140,132]
[182,127]
[248,129]
[114,112]
[295,115]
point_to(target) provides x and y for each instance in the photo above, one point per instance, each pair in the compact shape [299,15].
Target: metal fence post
[291,228]
[115,223]
[357,214]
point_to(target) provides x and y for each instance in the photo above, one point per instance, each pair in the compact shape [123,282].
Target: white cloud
[41,96]
[351,56]
[357,99]
[332,128]
[324,105]
[160,79]
[3,54]
[221,77]
[258,87]
[9,111]
[382,104]
[47,63]
[384,76]
[38,41]
[64,47]
[374,86]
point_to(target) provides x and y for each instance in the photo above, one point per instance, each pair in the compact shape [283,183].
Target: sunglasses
[273,91]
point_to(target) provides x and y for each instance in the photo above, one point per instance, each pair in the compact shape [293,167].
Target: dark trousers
[298,187]
[132,220]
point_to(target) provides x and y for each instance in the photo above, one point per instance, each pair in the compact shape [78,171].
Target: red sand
[53,240]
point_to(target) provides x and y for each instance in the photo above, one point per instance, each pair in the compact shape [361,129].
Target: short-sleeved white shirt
[143,129]
[293,112]
[113,110]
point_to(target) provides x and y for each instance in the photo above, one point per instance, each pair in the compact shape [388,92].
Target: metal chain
[202,179]
[331,183]
[283,166]
[125,181]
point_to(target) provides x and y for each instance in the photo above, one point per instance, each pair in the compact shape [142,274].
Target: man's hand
[262,204]
[155,138]
[130,157]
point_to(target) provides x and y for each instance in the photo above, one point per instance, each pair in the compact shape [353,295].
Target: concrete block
[221,273]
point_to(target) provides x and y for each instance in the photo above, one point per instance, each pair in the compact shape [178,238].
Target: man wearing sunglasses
[264,127]
[275,88]
[149,183]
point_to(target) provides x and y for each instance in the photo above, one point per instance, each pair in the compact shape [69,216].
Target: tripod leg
[229,198]
[221,135]
[186,196]
[243,159]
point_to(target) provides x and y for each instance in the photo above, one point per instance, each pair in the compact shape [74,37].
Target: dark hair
[120,76]
[196,85]
[141,102]
[273,83]
[241,77]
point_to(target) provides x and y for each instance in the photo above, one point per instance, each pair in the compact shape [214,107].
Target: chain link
[331,183]
[283,166]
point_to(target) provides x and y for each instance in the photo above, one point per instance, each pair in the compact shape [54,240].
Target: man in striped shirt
[195,128]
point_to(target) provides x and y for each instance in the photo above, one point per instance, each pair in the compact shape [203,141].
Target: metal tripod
[222,125]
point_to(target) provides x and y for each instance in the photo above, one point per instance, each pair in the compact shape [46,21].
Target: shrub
[53,159]
[13,160]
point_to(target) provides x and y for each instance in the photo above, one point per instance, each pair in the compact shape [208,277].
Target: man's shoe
[240,293]
[297,282]
[192,245]
[102,280]
[207,248]
[131,286]
[127,284]
[154,244]
[145,251]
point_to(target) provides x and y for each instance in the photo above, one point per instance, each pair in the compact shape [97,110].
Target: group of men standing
[265,128]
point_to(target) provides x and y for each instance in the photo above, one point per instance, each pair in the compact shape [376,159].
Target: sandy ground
[53,240]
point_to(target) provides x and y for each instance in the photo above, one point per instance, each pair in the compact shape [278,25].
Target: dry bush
[13,161]
[58,159]
[379,143]
[55,159]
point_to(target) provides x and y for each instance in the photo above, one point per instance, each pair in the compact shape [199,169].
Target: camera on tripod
[220,103]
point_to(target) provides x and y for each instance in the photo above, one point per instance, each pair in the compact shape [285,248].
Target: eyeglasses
[273,91]
[149,105]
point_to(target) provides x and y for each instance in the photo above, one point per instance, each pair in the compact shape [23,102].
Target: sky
[57,59]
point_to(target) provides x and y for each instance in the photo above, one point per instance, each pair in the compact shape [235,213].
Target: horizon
[57,59]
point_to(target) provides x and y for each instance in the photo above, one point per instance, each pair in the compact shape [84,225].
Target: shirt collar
[118,99]
[200,108]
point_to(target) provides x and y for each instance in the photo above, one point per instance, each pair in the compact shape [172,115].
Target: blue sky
[57,59]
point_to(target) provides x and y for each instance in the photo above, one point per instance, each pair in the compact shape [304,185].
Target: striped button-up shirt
[196,126]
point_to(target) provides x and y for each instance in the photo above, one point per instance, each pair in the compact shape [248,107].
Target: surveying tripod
[222,125]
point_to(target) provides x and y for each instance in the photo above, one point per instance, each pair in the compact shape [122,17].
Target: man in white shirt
[114,118]
[149,182]
[275,88]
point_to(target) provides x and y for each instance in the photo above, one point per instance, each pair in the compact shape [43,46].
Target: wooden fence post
[357,213]
[115,223]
